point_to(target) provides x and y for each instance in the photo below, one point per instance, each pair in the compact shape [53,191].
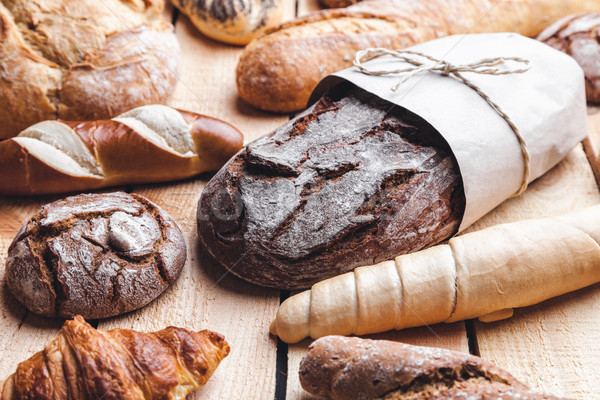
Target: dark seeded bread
[351,181]
[96,255]
[350,368]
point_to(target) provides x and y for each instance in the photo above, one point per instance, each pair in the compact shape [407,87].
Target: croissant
[482,274]
[84,363]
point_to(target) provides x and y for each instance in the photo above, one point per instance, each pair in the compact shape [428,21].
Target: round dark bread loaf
[96,255]
[351,181]
[578,35]
[351,368]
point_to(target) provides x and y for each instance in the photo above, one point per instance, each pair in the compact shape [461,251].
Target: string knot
[421,62]
[447,68]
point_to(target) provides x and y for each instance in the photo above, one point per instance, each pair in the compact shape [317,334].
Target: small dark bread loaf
[351,181]
[579,36]
[350,368]
[96,255]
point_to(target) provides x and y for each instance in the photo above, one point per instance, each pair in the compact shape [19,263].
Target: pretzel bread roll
[152,143]
[481,274]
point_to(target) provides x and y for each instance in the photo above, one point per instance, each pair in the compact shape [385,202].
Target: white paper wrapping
[547,104]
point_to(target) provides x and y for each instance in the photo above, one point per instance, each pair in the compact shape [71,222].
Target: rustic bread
[351,181]
[481,274]
[86,363]
[84,59]
[96,255]
[153,143]
[577,35]
[232,21]
[343,368]
[279,70]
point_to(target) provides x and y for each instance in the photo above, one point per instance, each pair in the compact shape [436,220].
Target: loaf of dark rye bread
[351,181]
[351,368]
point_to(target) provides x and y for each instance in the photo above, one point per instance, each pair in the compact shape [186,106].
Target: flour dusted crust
[342,368]
[577,35]
[351,181]
[96,255]
[82,59]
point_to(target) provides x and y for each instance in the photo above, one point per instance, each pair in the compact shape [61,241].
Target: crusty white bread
[481,274]
[152,143]
[82,60]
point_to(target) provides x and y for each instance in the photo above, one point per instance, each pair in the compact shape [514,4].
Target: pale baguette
[278,70]
[484,273]
[147,144]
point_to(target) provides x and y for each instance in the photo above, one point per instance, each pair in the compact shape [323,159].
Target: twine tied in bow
[421,62]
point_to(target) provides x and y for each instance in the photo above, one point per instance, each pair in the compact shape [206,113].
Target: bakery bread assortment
[96,255]
[232,21]
[577,35]
[153,143]
[481,274]
[84,59]
[85,363]
[349,368]
[278,71]
[351,180]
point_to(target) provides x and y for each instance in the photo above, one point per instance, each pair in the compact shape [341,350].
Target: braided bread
[147,144]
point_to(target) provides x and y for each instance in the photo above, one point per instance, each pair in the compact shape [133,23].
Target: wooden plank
[551,346]
[205,296]
[591,144]
[206,82]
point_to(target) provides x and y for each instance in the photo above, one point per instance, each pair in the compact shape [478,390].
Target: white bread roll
[482,274]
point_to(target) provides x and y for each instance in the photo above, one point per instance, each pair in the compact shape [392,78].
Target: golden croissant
[85,363]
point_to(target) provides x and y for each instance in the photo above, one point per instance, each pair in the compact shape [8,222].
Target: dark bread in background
[96,255]
[578,36]
[351,181]
[351,368]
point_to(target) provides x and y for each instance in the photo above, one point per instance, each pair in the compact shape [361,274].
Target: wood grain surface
[551,346]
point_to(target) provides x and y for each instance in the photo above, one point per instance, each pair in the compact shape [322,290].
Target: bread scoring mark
[326,186]
[163,126]
[61,239]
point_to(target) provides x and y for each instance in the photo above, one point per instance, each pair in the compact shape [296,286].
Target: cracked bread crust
[350,182]
[578,36]
[82,60]
[97,255]
[344,368]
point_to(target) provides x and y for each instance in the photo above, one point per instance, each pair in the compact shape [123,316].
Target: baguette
[343,368]
[481,274]
[147,144]
[279,70]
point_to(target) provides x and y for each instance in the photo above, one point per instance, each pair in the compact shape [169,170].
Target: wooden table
[553,347]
